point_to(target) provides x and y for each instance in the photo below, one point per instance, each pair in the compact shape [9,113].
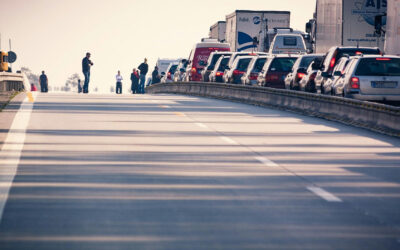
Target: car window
[378,67]
[243,64]
[258,66]
[282,64]
[223,63]
[305,61]
[289,41]
[173,68]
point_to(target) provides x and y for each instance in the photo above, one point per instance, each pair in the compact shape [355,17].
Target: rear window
[215,59]
[289,41]
[282,64]
[306,61]
[357,51]
[223,63]
[243,64]
[258,66]
[378,67]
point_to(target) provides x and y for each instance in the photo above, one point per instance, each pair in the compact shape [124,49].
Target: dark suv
[332,57]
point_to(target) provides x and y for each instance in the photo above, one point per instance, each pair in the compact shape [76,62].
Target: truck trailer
[218,30]
[392,43]
[247,30]
[347,23]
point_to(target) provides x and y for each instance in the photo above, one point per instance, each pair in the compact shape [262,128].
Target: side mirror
[337,73]
[325,74]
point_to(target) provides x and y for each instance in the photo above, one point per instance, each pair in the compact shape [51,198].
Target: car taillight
[355,83]
[169,75]
[253,76]
[238,72]
[271,77]
[219,74]
[332,64]
[300,76]
[312,76]
[383,59]
[193,70]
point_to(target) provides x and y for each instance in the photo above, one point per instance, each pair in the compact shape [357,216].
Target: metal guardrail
[372,116]
[11,82]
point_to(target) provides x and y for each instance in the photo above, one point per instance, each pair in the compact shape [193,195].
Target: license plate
[384,84]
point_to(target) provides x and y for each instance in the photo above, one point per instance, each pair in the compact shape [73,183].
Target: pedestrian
[43,83]
[144,68]
[155,77]
[135,82]
[79,86]
[118,77]
[86,65]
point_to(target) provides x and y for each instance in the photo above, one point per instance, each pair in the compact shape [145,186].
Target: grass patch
[3,105]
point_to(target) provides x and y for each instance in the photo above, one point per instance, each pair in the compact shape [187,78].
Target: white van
[288,44]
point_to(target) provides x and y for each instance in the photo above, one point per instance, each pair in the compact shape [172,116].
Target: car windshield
[243,64]
[282,64]
[305,61]
[223,63]
[378,67]
[258,66]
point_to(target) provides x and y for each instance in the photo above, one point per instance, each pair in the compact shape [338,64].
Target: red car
[275,70]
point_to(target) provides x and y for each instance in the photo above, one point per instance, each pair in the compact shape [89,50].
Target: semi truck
[346,23]
[392,44]
[218,30]
[246,30]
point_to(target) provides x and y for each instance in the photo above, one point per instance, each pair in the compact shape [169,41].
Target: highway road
[180,172]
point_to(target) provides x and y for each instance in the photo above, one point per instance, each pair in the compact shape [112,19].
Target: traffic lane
[360,166]
[107,179]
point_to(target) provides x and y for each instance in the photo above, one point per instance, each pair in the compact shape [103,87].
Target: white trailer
[246,30]
[347,23]
[163,64]
[392,43]
[218,30]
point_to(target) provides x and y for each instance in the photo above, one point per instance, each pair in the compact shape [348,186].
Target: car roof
[376,56]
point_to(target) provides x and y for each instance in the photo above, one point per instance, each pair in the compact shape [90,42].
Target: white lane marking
[164,106]
[324,194]
[266,162]
[10,153]
[201,125]
[228,140]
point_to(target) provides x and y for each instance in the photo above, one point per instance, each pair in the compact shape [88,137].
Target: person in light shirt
[118,77]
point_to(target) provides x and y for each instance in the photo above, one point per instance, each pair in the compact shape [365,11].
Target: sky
[54,35]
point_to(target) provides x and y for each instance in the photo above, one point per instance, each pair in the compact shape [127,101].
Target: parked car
[199,56]
[372,78]
[275,70]
[307,82]
[239,67]
[218,73]
[338,70]
[214,56]
[299,70]
[180,72]
[170,71]
[288,44]
[333,56]
[255,67]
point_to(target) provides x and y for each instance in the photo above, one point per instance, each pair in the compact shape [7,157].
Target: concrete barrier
[11,82]
[373,116]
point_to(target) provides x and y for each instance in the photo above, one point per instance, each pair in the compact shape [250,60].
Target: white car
[372,78]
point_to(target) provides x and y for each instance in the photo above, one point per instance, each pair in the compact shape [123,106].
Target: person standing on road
[86,64]
[43,83]
[118,77]
[135,81]
[144,68]
[155,77]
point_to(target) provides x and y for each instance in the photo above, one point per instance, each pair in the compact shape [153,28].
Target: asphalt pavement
[180,172]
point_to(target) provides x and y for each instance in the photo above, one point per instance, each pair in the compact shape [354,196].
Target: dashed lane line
[229,140]
[266,162]
[201,125]
[324,194]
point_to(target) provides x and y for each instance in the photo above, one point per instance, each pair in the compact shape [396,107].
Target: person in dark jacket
[135,82]
[155,77]
[44,88]
[86,64]
[144,68]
